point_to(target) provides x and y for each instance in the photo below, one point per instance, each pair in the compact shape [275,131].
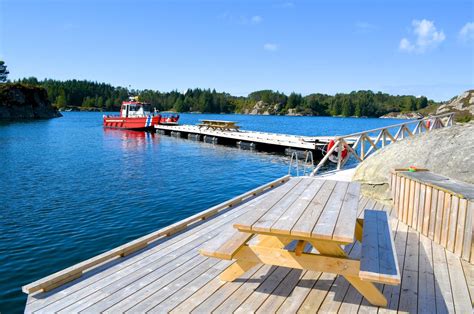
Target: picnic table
[303,224]
[218,125]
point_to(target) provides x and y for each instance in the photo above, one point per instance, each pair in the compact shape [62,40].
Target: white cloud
[405,45]
[287,4]
[256,19]
[426,37]
[270,47]
[467,32]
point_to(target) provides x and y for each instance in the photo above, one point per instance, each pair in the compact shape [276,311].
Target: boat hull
[141,123]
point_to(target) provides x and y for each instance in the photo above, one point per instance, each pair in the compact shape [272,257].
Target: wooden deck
[171,276]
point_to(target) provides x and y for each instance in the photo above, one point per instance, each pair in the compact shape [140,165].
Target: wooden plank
[287,220]
[308,261]
[305,224]
[468,229]
[411,203]
[293,302]
[433,210]
[401,200]
[378,257]
[421,208]
[345,226]
[470,208]
[224,293]
[459,287]
[439,217]
[265,204]
[416,205]
[198,297]
[446,219]
[266,288]
[393,180]
[406,200]
[278,296]
[461,224]
[396,198]
[234,300]
[392,293]
[265,222]
[234,240]
[369,258]
[468,269]
[316,296]
[426,283]
[427,210]
[409,286]
[325,225]
[335,300]
[453,223]
[444,296]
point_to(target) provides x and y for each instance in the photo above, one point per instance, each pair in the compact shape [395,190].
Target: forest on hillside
[88,94]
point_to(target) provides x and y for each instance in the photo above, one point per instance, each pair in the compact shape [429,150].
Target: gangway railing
[365,145]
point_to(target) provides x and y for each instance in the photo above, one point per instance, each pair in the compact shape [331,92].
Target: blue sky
[399,47]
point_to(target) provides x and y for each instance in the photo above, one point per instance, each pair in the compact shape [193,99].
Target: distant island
[83,94]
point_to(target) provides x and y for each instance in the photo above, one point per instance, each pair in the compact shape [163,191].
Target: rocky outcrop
[20,102]
[447,151]
[405,115]
[464,103]
[263,108]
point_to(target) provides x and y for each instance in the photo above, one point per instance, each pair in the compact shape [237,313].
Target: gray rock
[447,151]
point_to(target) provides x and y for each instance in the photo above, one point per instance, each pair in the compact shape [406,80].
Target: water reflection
[131,140]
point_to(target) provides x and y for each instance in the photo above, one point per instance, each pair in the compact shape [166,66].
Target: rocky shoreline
[24,102]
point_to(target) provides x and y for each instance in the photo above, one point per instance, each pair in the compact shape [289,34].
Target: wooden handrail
[395,125]
[59,278]
[384,133]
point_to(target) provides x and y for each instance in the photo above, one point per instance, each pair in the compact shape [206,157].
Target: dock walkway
[170,275]
[277,140]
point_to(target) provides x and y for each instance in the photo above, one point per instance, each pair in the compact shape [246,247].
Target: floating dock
[164,272]
[273,142]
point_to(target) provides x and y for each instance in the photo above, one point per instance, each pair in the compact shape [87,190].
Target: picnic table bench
[303,224]
[218,125]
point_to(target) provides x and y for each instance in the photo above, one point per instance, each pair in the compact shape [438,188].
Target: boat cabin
[134,110]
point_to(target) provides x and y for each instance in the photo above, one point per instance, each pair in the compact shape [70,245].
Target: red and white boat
[135,115]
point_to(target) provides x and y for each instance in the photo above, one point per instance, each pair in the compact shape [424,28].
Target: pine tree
[3,71]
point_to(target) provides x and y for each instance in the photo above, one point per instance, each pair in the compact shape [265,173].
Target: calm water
[70,190]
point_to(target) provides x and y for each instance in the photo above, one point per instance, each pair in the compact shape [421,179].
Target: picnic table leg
[366,288]
[239,268]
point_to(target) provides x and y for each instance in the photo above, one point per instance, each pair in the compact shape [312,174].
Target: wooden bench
[378,262]
[226,244]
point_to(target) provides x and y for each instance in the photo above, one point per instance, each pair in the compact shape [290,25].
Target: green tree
[422,102]
[61,100]
[3,71]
